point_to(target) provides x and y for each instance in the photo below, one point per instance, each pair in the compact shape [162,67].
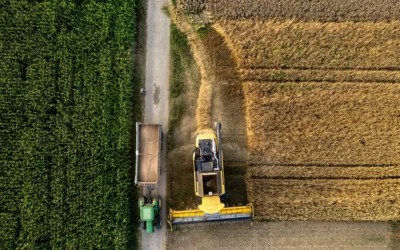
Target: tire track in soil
[228,108]
[221,98]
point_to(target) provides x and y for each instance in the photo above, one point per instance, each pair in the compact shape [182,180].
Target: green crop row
[66,74]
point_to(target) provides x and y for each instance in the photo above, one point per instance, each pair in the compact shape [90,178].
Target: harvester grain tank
[209,185]
[148,156]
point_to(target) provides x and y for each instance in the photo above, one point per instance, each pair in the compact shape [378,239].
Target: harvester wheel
[198,200]
[225,198]
[196,153]
[143,225]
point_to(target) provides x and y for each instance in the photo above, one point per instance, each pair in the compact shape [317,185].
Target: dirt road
[156,99]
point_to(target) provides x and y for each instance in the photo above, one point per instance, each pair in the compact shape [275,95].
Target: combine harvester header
[226,214]
[209,185]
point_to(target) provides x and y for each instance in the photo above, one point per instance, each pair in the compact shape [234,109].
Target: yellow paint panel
[211,204]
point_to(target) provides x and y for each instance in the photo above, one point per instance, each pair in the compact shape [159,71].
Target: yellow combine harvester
[209,185]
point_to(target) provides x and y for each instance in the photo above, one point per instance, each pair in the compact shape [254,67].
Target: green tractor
[150,214]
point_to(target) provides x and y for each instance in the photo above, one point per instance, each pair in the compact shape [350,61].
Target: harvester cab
[209,185]
[149,214]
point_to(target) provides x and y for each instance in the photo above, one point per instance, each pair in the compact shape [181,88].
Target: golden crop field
[323,123]
[321,10]
[325,199]
[323,172]
[318,75]
[323,117]
[324,192]
[313,45]
[321,92]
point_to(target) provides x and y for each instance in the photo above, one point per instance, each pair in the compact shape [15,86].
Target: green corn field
[66,84]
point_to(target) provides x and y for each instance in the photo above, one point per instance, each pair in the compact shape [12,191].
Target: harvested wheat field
[323,151]
[323,117]
[309,10]
[323,123]
[290,235]
[323,172]
[326,199]
[313,45]
[321,88]
[319,75]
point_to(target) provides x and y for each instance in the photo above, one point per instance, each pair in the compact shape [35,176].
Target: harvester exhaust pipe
[218,127]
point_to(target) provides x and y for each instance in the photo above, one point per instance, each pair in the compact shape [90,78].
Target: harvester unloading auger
[209,185]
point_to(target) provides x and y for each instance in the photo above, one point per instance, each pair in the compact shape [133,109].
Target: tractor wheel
[143,225]
[158,224]
[140,200]
[161,141]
